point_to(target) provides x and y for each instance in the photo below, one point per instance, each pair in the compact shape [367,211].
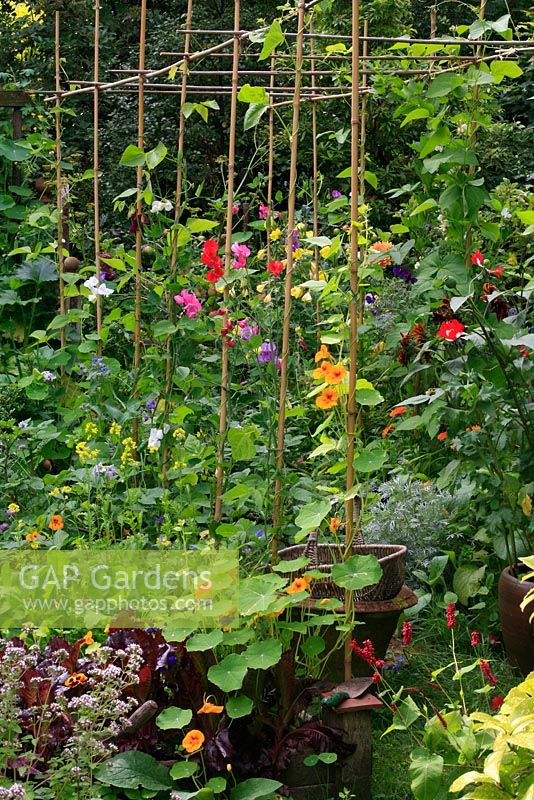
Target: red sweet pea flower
[450,330]
[275,268]
[209,255]
[477,258]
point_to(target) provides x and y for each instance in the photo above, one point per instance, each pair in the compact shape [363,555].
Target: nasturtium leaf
[368,397]
[294,565]
[313,645]
[312,514]
[254,789]
[216,785]
[163,328]
[204,641]
[258,592]
[172,718]
[357,572]
[263,654]
[238,492]
[239,706]
[273,38]
[229,673]
[15,151]
[133,770]
[183,769]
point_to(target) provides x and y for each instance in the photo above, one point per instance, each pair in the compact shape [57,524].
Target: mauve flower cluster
[267,352]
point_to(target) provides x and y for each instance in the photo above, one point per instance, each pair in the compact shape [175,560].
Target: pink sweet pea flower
[191,304]
[264,211]
[241,253]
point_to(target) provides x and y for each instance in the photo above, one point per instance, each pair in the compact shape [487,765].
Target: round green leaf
[357,572]
[262,655]
[204,641]
[239,706]
[229,674]
[173,718]
[183,769]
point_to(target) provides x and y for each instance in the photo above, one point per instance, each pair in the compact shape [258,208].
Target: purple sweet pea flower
[336,194]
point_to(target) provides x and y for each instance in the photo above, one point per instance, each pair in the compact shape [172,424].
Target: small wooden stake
[139,211]
[96,194]
[59,183]
[352,520]
[227,263]
[169,358]
[289,274]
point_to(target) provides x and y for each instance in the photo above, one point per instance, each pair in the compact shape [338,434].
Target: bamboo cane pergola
[296,73]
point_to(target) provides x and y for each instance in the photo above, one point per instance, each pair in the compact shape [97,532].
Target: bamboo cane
[288,278]
[96,194]
[270,166]
[174,236]
[59,182]
[315,167]
[473,139]
[223,416]
[352,519]
[139,210]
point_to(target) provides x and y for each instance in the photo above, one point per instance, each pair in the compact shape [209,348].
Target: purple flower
[159,520]
[260,534]
[23,424]
[369,299]
[296,241]
[48,376]
[151,405]
[268,352]
[171,660]
[4,527]
[246,550]
[335,193]
[404,274]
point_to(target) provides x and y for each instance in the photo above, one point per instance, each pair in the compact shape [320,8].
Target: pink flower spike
[189,301]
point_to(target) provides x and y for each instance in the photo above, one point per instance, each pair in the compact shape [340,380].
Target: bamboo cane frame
[315,178]
[350,507]
[59,179]
[139,209]
[270,166]
[288,278]
[174,234]
[223,414]
[96,166]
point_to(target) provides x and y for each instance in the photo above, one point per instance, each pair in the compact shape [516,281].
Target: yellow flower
[526,505]
[90,430]
[34,545]
[260,287]
[13,508]
[261,254]
[115,429]
[268,298]
[378,348]
[299,252]
[66,489]
[325,251]
[88,638]
[322,276]
[179,433]
[82,451]
[306,298]
[275,234]
[334,524]
[297,292]
[56,491]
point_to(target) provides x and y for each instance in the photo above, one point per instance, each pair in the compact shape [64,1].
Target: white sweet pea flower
[168,205]
[154,439]
[157,206]
[96,288]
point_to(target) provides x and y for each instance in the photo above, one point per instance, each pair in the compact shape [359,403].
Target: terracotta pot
[517,631]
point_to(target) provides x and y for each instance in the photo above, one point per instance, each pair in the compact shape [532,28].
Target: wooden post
[289,274]
[139,210]
[228,263]
[169,358]
[59,182]
[96,166]
[350,506]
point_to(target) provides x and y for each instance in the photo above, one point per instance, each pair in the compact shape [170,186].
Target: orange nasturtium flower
[395,412]
[442,436]
[75,679]
[334,524]
[210,708]
[299,585]
[383,247]
[321,373]
[56,522]
[193,741]
[335,373]
[327,399]
[322,354]
[88,638]
[387,430]
[31,537]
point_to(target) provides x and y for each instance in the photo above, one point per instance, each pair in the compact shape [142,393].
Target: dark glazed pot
[517,631]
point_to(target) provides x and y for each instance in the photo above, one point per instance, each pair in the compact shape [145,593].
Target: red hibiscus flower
[275,268]
[450,330]
[477,258]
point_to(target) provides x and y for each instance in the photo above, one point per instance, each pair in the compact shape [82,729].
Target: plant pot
[517,631]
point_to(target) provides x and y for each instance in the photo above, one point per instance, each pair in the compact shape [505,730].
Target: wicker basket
[392,559]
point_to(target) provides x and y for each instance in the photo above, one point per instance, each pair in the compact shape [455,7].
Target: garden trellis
[292,72]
